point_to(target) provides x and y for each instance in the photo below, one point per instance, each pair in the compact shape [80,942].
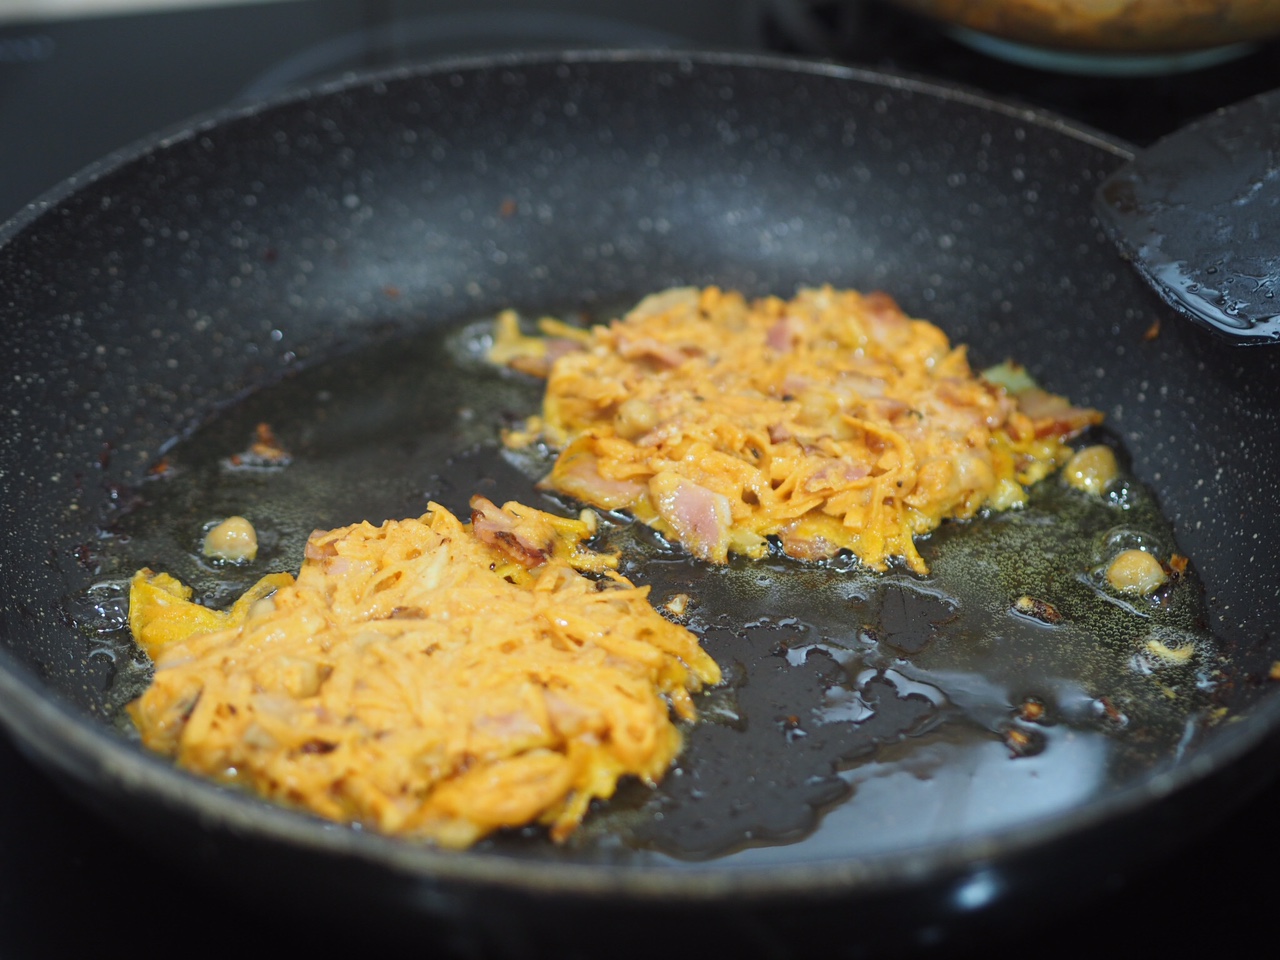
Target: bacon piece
[700,517]
[539,365]
[779,433]
[577,474]
[855,387]
[670,299]
[886,409]
[319,546]
[886,321]
[524,539]
[787,334]
[793,384]
[1054,416]
[803,545]
[833,475]
[647,348]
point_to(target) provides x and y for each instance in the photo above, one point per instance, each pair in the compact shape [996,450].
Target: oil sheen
[861,712]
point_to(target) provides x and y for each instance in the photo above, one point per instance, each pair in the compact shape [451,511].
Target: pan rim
[63,740]
[191,127]
[55,738]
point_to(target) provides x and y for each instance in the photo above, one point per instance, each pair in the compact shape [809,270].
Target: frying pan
[169,289]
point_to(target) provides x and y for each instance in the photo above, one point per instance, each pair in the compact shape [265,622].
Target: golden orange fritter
[831,421]
[426,678]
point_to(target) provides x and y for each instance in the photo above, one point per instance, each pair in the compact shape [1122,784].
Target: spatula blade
[1198,214]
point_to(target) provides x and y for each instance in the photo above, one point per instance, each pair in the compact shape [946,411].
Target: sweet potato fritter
[830,422]
[426,678]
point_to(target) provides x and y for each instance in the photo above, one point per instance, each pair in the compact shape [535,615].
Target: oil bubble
[1122,538]
[1122,494]
[102,608]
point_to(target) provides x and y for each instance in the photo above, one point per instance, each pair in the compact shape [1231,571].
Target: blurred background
[81,78]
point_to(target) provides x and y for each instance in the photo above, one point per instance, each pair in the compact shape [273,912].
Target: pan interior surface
[259,265]
[862,711]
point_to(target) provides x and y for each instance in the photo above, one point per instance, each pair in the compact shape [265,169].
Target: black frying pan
[248,251]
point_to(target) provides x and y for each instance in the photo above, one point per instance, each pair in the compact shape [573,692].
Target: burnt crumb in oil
[1040,610]
[852,700]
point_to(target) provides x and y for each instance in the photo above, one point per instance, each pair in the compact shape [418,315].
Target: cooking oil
[859,710]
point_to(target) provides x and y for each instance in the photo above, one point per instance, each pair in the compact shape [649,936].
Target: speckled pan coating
[150,291]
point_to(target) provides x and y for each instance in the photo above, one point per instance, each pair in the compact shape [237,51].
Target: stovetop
[73,90]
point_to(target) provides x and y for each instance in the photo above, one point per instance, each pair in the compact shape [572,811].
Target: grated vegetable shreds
[426,678]
[830,422]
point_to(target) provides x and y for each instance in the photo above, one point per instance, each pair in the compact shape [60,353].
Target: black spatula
[1198,213]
